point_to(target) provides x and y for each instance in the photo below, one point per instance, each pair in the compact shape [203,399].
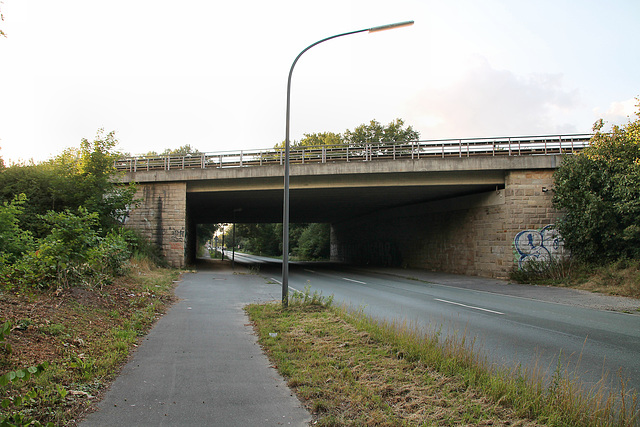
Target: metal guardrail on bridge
[507,146]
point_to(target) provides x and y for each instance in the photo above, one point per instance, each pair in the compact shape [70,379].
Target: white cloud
[489,102]
[619,111]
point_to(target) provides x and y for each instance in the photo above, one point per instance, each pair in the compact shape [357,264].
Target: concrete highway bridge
[468,206]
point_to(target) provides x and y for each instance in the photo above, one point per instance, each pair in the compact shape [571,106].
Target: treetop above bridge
[469,147]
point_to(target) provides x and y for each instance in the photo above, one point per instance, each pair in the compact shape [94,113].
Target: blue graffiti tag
[538,245]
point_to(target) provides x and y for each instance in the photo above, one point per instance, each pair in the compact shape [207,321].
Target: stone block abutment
[472,235]
[161,218]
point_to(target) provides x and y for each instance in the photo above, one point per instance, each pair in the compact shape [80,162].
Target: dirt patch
[70,329]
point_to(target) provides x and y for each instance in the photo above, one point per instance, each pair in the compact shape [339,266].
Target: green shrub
[13,240]
[599,191]
[72,254]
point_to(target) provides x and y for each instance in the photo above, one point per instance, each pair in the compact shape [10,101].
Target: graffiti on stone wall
[538,245]
[177,235]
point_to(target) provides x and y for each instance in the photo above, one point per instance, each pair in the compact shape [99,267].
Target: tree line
[367,133]
[308,242]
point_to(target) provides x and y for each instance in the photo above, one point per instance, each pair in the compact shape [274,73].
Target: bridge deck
[508,146]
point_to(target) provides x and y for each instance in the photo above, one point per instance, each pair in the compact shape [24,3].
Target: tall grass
[561,400]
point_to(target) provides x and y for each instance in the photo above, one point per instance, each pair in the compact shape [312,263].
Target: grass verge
[350,370]
[85,336]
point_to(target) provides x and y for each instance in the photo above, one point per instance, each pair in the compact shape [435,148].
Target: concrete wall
[468,235]
[161,218]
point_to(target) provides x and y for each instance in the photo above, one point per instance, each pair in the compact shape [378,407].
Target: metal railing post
[560,143]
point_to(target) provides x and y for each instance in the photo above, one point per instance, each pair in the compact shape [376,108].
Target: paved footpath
[201,364]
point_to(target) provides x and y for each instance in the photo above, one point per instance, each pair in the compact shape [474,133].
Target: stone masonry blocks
[474,240]
[161,218]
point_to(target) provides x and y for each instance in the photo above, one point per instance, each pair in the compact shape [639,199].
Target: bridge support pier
[161,218]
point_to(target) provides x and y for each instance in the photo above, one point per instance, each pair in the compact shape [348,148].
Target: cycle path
[201,363]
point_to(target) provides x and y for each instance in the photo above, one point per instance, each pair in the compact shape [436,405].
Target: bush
[13,240]
[599,191]
[71,254]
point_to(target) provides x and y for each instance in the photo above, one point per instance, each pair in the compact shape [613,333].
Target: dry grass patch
[348,378]
[620,279]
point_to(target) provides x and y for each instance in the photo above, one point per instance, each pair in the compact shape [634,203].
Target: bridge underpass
[329,198]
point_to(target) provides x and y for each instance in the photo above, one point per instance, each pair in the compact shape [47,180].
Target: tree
[314,242]
[261,239]
[84,177]
[314,139]
[204,232]
[599,191]
[375,133]
[372,133]
[77,177]
[185,150]
[36,182]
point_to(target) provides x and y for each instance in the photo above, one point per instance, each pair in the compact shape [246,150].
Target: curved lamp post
[285,216]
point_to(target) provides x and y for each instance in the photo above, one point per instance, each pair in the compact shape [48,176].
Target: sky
[213,74]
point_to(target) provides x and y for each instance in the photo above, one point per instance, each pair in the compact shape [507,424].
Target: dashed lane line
[469,306]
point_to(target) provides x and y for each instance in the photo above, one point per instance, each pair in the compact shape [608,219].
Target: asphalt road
[511,324]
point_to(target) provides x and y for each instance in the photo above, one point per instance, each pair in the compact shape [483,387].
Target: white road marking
[352,280]
[280,283]
[468,306]
[310,271]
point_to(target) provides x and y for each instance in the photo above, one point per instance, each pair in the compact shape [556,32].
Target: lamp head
[390,26]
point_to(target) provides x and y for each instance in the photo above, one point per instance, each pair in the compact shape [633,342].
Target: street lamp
[285,215]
